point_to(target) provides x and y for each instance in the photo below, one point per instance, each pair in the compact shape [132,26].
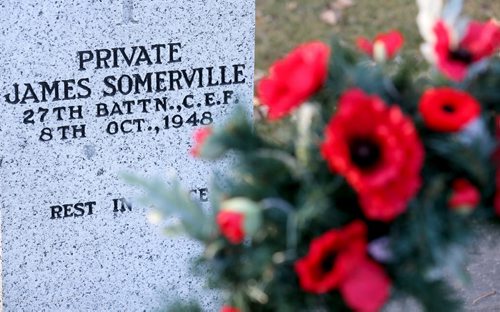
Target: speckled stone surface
[483,293]
[64,245]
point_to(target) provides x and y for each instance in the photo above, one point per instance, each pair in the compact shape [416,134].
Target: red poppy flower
[337,260]
[481,40]
[231,225]
[331,258]
[384,46]
[367,289]
[200,137]
[465,196]
[377,149]
[229,309]
[447,109]
[294,79]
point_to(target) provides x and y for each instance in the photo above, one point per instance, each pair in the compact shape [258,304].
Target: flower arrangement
[373,194]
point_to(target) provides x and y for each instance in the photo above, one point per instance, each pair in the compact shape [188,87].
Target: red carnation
[231,225]
[465,196]
[200,136]
[294,79]
[229,309]
[377,149]
[480,41]
[338,260]
[384,46]
[367,289]
[447,109]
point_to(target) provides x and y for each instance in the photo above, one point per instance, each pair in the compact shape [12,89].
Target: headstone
[90,89]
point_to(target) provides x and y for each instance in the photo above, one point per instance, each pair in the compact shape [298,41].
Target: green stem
[288,209]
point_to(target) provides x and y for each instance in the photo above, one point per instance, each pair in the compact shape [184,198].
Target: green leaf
[236,135]
[469,160]
[176,229]
[180,306]
[432,294]
[173,201]
[342,61]
[486,86]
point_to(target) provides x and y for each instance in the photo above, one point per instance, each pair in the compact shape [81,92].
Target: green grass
[279,29]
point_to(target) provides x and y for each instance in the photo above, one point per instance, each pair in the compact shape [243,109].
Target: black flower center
[328,263]
[364,153]
[461,55]
[448,108]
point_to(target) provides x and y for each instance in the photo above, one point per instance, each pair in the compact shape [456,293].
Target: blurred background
[282,24]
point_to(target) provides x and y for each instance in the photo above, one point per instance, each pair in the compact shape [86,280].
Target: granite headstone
[90,89]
